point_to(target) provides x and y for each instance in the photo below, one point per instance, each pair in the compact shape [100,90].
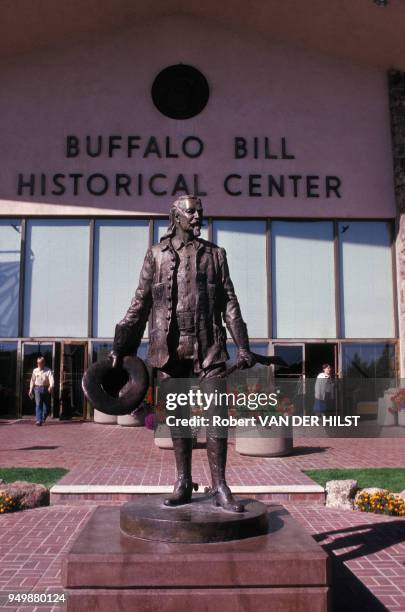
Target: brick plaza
[370,548]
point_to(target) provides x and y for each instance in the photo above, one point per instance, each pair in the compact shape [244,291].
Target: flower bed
[8,504]
[381,502]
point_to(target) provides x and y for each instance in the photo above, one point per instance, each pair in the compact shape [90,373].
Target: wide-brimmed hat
[118,390]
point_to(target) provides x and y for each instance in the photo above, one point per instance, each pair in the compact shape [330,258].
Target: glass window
[366,279]
[368,371]
[119,251]
[100,350]
[57,278]
[10,249]
[303,279]
[245,245]
[368,360]
[8,380]
[257,347]
[293,356]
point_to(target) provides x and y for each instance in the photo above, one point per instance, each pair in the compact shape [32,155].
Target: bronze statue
[185,283]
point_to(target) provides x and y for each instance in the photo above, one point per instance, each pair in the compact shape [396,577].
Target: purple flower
[150,421]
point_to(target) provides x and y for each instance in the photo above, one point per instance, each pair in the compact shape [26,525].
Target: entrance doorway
[30,353]
[304,362]
[68,361]
[317,355]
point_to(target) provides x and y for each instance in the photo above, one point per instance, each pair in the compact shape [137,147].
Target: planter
[386,416]
[257,441]
[130,420]
[163,438]
[104,419]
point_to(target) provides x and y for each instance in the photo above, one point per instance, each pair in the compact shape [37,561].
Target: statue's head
[186,214]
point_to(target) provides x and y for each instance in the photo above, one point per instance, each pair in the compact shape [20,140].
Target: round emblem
[180,91]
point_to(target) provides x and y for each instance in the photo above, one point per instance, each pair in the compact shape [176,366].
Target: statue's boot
[217,451]
[184,486]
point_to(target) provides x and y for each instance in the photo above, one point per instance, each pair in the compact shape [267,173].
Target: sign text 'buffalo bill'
[158,183]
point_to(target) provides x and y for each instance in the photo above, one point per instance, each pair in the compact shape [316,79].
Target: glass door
[291,377]
[8,379]
[30,353]
[72,367]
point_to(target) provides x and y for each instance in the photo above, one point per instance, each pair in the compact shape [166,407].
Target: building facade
[290,151]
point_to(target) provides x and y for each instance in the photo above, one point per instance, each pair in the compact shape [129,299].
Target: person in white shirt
[41,387]
[324,389]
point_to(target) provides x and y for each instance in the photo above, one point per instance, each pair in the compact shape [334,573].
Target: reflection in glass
[57,278]
[119,250]
[303,279]
[8,370]
[10,249]
[293,356]
[368,360]
[100,350]
[368,371]
[245,245]
[366,279]
[72,370]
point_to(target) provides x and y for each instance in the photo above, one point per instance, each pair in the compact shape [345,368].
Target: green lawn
[392,479]
[45,476]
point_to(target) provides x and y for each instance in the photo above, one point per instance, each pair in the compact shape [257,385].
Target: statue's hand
[116,359]
[245,359]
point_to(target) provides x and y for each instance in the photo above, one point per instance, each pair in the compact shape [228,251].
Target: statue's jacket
[215,302]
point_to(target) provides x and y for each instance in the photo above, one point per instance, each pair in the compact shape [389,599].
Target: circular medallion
[180,91]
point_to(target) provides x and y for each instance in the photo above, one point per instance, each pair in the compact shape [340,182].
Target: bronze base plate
[197,522]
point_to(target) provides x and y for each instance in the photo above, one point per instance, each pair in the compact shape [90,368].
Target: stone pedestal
[195,523]
[282,570]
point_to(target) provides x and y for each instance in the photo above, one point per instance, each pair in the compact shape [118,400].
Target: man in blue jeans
[41,387]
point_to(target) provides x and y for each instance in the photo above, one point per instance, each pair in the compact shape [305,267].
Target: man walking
[41,387]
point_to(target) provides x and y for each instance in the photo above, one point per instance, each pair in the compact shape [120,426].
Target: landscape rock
[340,494]
[26,494]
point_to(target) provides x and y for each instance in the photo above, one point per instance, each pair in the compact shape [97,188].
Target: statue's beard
[196,231]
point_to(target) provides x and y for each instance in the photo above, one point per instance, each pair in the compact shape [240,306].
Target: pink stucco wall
[334,116]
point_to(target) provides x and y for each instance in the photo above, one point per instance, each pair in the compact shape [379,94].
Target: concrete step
[100,494]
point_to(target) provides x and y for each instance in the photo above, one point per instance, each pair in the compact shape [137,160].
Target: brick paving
[105,454]
[369,547]
[31,545]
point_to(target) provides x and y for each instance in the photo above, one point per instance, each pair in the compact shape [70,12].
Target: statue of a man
[185,282]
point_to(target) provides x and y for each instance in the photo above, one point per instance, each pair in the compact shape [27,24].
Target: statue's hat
[118,390]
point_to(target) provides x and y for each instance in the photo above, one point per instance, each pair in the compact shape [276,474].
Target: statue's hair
[171,230]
